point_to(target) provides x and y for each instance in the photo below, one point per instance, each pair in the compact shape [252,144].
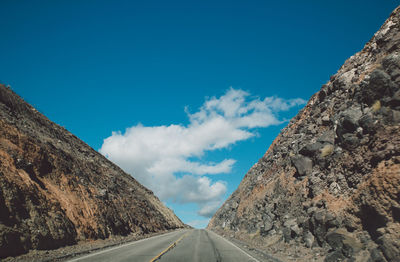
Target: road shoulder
[253,252]
[82,248]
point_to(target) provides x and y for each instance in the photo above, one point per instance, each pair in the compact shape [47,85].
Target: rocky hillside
[328,188]
[56,190]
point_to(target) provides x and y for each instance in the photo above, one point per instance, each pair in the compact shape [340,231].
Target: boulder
[379,86]
[391,64]
[334,256]
[308,239]
[302,164]
[343,241]
[311,149]
[348,120]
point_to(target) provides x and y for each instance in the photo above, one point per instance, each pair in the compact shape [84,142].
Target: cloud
[169,158]
[198,189]
[208,209]
[198,223]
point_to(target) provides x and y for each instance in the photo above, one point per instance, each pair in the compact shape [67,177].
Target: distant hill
[328,188]
[56,190]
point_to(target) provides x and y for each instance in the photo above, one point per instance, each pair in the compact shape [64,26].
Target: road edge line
[244,252]
[97,252]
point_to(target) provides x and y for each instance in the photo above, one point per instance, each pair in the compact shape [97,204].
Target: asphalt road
[185,245]
[202,245]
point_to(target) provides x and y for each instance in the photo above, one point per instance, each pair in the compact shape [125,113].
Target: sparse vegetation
[376,106]
[327,150]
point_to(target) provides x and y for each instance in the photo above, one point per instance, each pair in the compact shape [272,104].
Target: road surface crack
[216,252]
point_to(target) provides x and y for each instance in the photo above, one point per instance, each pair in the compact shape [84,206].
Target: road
[195,245]
[204,245]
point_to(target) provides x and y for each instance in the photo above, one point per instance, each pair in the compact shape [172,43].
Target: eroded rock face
[330,182]
[55,190]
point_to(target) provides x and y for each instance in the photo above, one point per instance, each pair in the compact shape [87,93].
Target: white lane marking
[124,245]
[234,245]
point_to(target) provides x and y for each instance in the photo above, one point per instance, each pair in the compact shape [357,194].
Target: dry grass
[376,106]
[327,150]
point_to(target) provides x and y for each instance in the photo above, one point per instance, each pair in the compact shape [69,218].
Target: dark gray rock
[308,239]
[348,122]
[321,95]
[367,122]
[311,149]
[266,228]
[396,116]
[376,256]
[343,241]
[391,64]
[290,222]
[395,100]
[327,137]
[287,236]
[295,230]
[334,256]
[379,86]
[302,164]
[350,141]
[326,120]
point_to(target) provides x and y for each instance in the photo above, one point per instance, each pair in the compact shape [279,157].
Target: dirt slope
[56,190]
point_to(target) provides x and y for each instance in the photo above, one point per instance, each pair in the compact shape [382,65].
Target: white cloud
[154,155]
[197,189]
[200,223]
[208,209]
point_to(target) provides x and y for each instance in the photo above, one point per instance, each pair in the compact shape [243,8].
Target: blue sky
[97,67]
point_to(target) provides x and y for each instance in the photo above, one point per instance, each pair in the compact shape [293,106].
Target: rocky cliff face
[328,188]
[56,190]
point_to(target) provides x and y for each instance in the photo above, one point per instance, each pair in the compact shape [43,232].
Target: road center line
[169,248]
